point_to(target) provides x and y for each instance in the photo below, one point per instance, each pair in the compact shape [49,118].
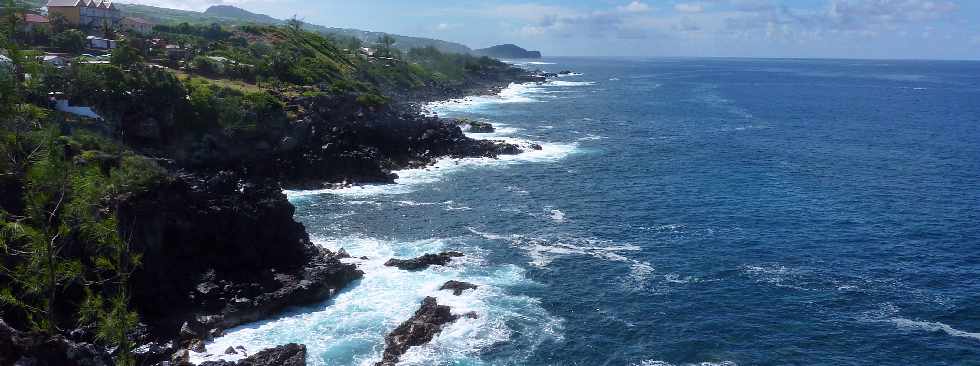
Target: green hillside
[230,15]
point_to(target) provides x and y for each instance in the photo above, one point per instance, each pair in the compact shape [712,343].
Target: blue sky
[929,29]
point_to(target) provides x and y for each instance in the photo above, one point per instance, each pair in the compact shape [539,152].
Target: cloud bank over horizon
[945,29]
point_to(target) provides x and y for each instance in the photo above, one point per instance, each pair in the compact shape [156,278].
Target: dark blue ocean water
[683,211]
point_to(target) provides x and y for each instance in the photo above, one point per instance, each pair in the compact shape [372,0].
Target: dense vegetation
[65,262]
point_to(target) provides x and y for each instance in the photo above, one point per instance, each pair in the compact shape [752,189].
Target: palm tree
[108,31]
[385,44]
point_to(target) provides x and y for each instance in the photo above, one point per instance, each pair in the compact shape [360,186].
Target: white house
[56,60]
[100,43]
[61,104]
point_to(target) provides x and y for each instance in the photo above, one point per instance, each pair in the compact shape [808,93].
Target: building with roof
[100,43]
[138,25]
[57,60]
[85,12]
[34,22]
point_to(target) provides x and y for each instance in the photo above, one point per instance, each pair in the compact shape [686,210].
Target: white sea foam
[777,275]
[557,215]
[569,83]
[350,329]
[665,363]
[934,327]
[543,251]
[514,93]
[591,137]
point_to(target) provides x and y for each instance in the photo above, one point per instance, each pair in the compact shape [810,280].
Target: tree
[385,45]
[294,24]
[37,239]
[72,40]
[58,23]
[354,44]
[125,55]
[108,30]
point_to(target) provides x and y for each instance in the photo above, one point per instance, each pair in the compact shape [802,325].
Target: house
[33,22]
[100,43]
[85,12]
[61,104]
[174,51]
[138,25]
[54,59]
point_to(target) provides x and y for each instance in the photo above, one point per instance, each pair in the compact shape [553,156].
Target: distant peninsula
[507,51]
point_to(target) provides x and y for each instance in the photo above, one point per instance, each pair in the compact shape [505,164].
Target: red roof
[34,18]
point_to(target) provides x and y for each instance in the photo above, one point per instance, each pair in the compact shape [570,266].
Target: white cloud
[636,7]
[446,26]
[689,7]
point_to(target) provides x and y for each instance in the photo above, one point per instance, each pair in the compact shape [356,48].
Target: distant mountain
[226,14]
[507,51]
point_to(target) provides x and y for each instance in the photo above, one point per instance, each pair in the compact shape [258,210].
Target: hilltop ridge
[232,15]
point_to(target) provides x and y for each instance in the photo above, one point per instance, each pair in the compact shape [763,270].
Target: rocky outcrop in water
[423,262]
[472,126]
[287,355]
[457,287]
[220,252]
[416,331]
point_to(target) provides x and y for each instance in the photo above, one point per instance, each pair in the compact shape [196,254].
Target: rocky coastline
[217,237]
[267,262]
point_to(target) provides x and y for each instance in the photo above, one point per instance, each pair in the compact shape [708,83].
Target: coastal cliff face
[219,252]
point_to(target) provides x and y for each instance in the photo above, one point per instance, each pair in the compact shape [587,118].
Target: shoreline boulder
[420,329]
[457,287]
[423,262]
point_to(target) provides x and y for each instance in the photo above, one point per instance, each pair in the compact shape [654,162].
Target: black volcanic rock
[457,287]
[416,331]
[474,126]
[286,355]
[424,261]
[24,348]
[507,51]
[221,252]
[337,140]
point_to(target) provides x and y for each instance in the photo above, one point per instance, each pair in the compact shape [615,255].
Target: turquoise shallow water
[682,211]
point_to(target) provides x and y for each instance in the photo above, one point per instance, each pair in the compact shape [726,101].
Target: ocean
[681,212]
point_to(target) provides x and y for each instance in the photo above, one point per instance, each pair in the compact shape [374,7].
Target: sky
[888,29]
